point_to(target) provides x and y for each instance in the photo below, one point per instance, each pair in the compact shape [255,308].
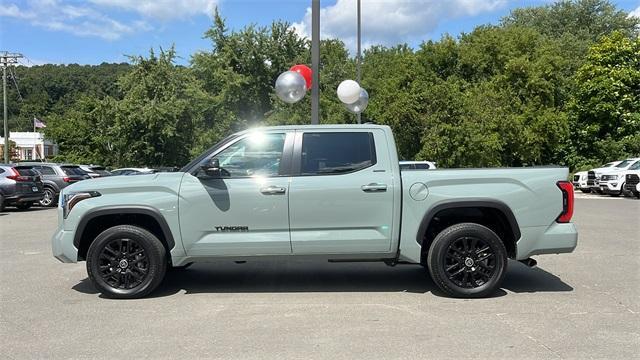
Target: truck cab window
[337,153]
[258,154]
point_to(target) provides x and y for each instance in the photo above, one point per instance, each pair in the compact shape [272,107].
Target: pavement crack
[533,339]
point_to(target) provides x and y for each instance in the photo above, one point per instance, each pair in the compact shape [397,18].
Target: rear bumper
[62,246]
[554,239]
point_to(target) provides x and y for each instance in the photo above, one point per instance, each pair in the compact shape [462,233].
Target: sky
[96,31]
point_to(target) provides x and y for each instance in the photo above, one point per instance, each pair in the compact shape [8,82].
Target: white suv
[593,175]
[580,182]
[612,181]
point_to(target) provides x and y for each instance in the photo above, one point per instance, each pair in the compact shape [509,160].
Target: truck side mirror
[212,168]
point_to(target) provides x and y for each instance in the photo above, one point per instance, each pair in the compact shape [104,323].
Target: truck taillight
[567,201]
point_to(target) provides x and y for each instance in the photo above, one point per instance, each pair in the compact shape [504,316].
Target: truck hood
[129,182]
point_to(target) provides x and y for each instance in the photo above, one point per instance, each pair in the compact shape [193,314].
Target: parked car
[612,181]
[632,180]
[580,181]
[332,192]
[593,176]
[417,165]
[132,171]
[20,186]
[55,178]
[95,171]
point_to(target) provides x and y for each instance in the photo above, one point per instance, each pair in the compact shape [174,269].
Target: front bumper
[554,239]
[62,246]
[611,187]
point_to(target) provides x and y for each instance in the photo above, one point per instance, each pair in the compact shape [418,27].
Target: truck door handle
[272,190]
[373,187]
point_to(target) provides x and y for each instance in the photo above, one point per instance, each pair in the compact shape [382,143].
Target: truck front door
[244,211]
[342,193]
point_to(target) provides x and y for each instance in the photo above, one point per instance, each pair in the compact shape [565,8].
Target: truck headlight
[68,201]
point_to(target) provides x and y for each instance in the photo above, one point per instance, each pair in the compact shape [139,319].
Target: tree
[606,104]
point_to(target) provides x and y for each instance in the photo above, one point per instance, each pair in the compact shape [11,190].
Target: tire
[49,199]
[459,268]
[23,206]
[636,194]
[118,273]
[586,191]
[1,203]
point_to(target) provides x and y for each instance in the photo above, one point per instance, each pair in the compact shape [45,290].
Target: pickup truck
[330,192]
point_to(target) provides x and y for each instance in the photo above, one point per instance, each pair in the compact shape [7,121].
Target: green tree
[606,104]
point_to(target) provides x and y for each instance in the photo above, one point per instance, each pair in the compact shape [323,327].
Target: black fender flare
[124,209]
[452,204]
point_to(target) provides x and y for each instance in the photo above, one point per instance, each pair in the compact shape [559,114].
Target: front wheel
[126,262]
[467,260]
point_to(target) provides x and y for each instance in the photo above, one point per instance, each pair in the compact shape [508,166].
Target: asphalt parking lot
[581,305]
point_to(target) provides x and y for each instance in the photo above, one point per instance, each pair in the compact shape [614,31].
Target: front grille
[632,179]
[591,175]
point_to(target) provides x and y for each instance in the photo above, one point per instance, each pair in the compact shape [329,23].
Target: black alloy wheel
[49,197]
[470,262]
[126,262]
[467,260]
[123,264]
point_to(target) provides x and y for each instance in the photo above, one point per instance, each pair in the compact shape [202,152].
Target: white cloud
[92,18]
[79,20]
[163,9]
[390,22]
[635,13]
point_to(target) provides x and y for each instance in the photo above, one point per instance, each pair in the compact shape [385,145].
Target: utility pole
[315,62]
[6,59]
[358,61]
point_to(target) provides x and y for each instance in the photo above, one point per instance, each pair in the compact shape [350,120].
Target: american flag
[38,124]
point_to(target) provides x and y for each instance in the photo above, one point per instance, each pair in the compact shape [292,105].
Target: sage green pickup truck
[330,192]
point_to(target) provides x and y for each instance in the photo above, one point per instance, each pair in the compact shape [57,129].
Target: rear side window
[73,170]
[26,171]
[336,153]
[46,170]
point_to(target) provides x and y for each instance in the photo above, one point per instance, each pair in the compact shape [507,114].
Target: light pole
[358,60]
[315,62]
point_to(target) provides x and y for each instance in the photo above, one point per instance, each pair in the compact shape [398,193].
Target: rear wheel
[23,206]
[1,203]
[467,260]
[49,198]
[126,262]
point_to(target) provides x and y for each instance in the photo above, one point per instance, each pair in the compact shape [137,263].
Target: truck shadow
[312,276]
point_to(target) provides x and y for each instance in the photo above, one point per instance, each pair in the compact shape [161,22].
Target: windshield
[635,166]
[623,164]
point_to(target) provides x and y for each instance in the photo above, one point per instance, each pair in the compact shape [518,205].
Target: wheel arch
[99,219]
[493,214]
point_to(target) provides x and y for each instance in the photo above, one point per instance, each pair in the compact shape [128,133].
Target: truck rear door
[341,196]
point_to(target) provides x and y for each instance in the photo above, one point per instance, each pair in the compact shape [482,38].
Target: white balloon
[348,91]
[291,87]
[361,104]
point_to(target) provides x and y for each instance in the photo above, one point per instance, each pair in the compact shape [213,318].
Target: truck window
[337,153]
[256,155]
